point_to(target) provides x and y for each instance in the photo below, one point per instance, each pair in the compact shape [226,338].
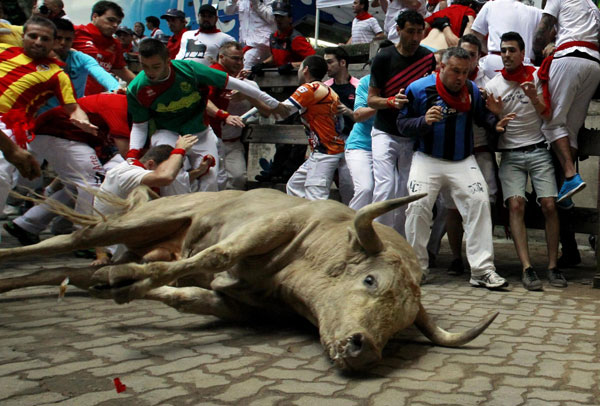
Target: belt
[527,148]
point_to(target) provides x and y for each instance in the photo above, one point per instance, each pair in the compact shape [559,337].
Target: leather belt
[527,148]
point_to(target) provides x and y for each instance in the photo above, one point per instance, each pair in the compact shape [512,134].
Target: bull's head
[378,294]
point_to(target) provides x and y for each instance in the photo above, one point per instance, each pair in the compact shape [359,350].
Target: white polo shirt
[363,31]
[578,20]
[202,47]
[525,129]
[500,16]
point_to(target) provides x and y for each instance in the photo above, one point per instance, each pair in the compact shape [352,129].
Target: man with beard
[392,70]
[174,95]
[203,45]
[96,39]
[439,114]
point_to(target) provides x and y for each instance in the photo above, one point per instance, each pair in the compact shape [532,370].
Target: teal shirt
[178,103]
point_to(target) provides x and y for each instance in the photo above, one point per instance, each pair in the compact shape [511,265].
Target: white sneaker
[490,280]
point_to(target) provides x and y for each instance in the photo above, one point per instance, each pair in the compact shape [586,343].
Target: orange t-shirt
[318,106]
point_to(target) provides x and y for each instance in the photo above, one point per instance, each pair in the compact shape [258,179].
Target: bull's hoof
[123,283]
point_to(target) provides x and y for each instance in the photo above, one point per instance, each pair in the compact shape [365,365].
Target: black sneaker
[569,259]
[457,267]
[556,278]
[530,280]
[24,236]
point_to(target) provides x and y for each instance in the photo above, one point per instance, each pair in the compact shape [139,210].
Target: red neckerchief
[363,15]
[544,71]
[461,102]
[21,125]
[136,162]
[177,37]
[213,30]
[521,74]
[473,74]
[282,35]
[147,94]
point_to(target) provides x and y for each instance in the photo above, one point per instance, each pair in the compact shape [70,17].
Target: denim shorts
[516,166]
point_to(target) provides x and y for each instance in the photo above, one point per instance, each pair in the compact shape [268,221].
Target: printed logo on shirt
[42,68]
[415,187]
[194,49]
[149,92]
[185,87]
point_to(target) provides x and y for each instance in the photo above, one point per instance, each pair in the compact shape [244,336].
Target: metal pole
[317,17]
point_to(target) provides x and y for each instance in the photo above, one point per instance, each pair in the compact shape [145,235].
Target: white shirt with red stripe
[363,31]
[578,20]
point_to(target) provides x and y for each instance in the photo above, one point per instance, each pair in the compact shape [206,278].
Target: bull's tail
[442,337]
[137,196]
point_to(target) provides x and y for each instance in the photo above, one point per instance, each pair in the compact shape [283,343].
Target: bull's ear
[353,242]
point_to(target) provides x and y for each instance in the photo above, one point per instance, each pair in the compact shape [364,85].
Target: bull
[243,253]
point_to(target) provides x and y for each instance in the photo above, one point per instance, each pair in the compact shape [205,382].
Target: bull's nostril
[356,342]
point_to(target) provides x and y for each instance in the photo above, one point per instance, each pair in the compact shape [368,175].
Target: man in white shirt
[525,154]
[257,23]
[393,8]
[500,16]
[203,45]
[570,77]
[153,24]
[157,168]
[365,27]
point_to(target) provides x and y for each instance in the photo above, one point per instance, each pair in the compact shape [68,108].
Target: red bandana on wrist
[521,74]
[213,30]
[461,102]
[21,125]
[363,15]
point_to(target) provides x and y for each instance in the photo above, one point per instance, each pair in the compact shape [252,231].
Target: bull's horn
[440,336]
[363,222]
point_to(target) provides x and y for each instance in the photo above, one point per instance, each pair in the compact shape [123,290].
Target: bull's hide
[353,278]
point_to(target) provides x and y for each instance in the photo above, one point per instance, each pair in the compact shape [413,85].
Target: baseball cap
[282,8]
[125,30]
[207,8]
[173,12]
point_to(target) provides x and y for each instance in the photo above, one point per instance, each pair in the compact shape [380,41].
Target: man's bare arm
[124,74]
[543,34]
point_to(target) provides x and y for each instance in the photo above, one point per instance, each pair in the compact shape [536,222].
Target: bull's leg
[198,301]
[80,277]
[133,281]
[127,232]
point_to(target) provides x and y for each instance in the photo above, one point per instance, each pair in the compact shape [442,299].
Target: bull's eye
[370,281]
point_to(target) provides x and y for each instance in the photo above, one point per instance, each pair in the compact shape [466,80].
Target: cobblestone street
[542,349]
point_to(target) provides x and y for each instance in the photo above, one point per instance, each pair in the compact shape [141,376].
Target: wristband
[133,153]
[178,151]
[210,158]
[391,101]
[222,115]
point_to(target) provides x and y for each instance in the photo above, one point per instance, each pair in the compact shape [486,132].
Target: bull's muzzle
[355,352]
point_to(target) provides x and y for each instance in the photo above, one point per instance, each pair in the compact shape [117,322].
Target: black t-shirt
[391,72]
[346,93]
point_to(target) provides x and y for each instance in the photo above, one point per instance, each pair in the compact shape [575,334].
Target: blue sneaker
[565,204]
[570,187]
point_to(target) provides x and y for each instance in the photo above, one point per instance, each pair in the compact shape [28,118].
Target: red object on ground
[119,386]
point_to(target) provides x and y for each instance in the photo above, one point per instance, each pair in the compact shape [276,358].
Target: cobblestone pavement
[542,350]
